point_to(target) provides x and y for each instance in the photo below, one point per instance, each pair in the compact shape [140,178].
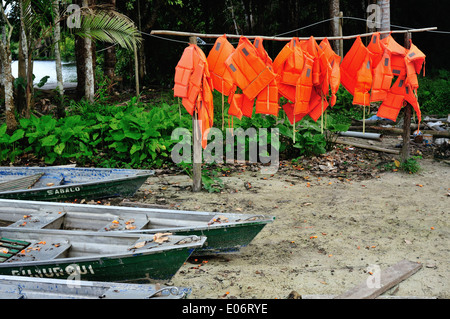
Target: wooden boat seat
[10,247]
[49,181]
[125,224]
[41,251]
[40,220]
[20,183]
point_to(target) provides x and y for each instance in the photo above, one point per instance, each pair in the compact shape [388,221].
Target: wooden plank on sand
[388,279]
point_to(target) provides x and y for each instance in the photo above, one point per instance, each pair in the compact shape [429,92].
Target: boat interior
[115,220]
[39,247]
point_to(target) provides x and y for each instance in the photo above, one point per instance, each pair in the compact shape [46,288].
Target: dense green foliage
[106,136]
[434,93]
[137,135]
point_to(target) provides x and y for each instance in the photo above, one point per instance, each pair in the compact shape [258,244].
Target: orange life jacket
[381,68]
[267,99]
[288,108]
[321,67]
[194,85]
[289,65]
[414,61]
[304,86]
[400,93]
[220,74]
[351,64]
[397,53]
[235,101]
[361,94]
[248,70]
[376,48]
[183,72]
[321,72]
[335,75]
[382,78]
[318,105]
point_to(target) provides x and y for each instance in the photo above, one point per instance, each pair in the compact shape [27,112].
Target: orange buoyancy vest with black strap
[397,52]
[318,105]
[335,75]
[183,72]
[351,64]
[361,94]
[220,74]
[304,86]
[321,67]
[376,48]
[267,99]
[382,78]
[414,61]
[189,76]
[248,70]
[393,102]
[194,85]
[400,93]
[289,65]
[381,69]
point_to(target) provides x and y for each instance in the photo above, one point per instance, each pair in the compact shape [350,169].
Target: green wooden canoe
[69,183]
[225,232]
[92,256]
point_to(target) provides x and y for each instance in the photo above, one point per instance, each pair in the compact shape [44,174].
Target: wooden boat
[18,287]
[69,183]
[93,256]
[225,232]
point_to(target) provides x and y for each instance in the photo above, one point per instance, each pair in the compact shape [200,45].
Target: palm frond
[109,26]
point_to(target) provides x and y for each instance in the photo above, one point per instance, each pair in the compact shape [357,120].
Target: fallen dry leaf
[138,245]
[161,237]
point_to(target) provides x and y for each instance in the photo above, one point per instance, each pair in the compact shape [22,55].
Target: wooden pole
[237,36]
[197,145]
[341,40]
[136,71]
[405,151]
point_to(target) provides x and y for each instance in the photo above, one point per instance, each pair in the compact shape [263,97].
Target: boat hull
[15,287]
[91,183]
[136,268]
[92,256]
[229,235]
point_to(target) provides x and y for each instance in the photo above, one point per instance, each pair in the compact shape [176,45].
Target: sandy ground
[328,233]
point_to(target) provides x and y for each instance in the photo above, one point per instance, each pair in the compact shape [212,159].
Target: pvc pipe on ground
[372,136]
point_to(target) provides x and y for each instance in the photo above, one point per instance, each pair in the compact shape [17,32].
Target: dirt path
[327,234]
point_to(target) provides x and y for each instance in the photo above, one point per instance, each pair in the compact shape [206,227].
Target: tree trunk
[385,16]
[110,54]
[58,65]
[22,64]
[22,73]
[81,60]
[89,84]
[334,24]
[5,57]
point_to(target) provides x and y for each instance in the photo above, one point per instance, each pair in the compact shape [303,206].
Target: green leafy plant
[411,165]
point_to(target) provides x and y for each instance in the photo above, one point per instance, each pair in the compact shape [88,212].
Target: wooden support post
[197,145]
[405,151]
[341,40]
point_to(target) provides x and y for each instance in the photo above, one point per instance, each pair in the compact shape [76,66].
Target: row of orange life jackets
[368,72]
[305,73]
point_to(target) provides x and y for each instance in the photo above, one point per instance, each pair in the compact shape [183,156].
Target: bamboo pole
[274,38]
